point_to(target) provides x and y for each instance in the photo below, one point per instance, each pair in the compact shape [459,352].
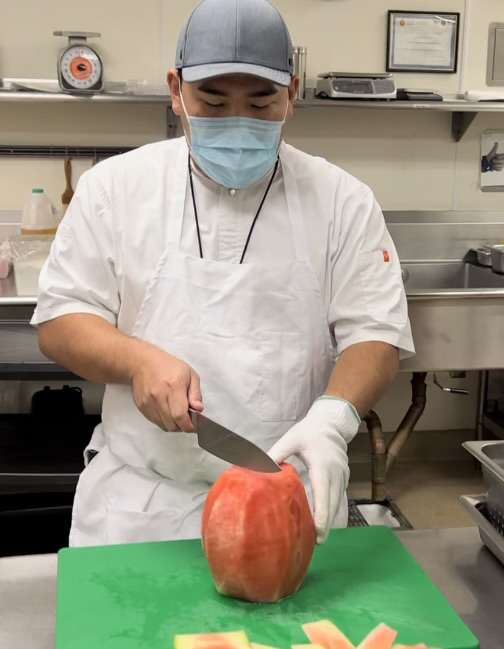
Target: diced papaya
[326,634]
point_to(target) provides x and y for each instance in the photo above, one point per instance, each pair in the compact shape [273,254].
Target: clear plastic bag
[27,254]
[5,258]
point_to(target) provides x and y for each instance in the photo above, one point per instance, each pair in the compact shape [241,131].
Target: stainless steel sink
[433,277]
[456,308]
[456,311]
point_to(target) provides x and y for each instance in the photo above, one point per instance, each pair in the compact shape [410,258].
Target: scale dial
[80,69]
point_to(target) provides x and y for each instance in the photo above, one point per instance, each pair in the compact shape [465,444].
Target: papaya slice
[228,640]
[327,635]
[381,637]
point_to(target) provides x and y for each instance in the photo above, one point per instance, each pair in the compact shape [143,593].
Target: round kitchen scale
[80,68]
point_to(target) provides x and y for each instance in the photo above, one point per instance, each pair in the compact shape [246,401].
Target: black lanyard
[255,217]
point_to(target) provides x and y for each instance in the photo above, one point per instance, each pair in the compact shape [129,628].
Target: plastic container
[26,273]
[28,254]
[5,268]
[40,217]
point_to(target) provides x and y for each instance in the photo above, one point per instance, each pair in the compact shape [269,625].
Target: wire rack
[49,151]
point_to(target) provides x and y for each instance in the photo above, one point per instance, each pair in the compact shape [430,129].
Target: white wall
[130,42]
[408,158]
[60,124]
[397,153]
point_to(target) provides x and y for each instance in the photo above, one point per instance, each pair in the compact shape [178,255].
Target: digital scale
[355,85]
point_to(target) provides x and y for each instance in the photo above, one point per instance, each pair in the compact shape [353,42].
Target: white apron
[257,335]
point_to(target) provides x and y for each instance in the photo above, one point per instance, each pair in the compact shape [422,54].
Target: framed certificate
[422,41]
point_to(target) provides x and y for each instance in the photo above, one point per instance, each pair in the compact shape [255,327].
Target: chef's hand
[164,388]
[320,441]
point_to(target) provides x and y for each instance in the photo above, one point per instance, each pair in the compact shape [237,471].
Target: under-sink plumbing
[383,454]
[450,390]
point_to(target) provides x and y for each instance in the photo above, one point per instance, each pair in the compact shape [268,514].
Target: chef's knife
[229,446]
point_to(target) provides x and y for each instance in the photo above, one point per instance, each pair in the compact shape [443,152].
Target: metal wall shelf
[463,111]
[394,104]
[26,97]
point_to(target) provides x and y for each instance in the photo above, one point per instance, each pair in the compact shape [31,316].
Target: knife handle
[193,414]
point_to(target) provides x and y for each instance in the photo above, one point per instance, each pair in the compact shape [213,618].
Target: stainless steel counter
[28,602]
[20,356]
[464,570]
[468,575]
[9,295]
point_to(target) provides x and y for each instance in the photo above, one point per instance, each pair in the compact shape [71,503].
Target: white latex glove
[320,441]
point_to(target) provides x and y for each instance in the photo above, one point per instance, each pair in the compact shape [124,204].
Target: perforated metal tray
[476,507]
[491,456]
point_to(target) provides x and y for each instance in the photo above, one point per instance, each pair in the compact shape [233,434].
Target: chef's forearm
[91,347]
[362,373]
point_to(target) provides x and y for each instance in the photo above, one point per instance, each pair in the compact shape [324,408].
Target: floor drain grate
[363,513]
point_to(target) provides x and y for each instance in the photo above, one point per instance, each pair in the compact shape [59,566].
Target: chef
[225,271]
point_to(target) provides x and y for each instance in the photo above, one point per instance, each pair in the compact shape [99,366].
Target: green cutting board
[139,596]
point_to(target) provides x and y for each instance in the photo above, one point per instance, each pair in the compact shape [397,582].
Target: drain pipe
[378,456]
[415,411]
[384,455]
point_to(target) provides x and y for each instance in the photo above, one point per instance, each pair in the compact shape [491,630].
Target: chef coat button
[232,192]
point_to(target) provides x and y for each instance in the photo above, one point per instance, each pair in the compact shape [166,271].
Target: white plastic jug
[39,214]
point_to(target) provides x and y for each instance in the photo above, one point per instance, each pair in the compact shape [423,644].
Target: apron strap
[176,201]
[299,237]
[174,213]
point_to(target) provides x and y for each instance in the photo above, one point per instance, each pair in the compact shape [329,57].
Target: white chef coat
[111,239]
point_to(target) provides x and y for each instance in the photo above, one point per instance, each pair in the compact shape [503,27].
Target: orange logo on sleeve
[386,256]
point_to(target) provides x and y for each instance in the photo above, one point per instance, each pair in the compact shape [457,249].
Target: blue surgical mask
[234,151]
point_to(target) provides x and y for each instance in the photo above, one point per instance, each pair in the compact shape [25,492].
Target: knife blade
[231,447]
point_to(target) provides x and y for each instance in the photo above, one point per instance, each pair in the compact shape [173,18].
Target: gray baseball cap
[223,37]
